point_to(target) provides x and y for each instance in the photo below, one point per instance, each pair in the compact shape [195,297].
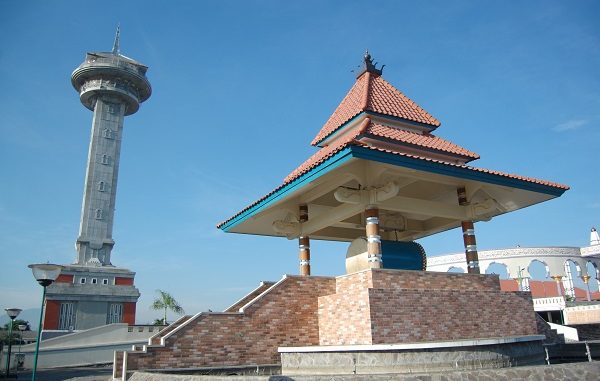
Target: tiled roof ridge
[350,106]
[422,116]
[329,150]
[425,139]
[375,94]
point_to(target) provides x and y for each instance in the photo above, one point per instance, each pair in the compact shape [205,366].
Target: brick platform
[283,315]
[382,306]
[376,306]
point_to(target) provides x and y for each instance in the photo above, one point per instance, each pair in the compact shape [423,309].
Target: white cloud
[570,125]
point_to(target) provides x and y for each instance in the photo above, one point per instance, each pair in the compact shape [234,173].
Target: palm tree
[164,301]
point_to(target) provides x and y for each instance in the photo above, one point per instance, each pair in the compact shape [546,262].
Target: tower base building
[85,297]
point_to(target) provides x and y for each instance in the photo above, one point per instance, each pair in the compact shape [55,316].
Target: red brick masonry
[382,306]
[376,306]
[285,315]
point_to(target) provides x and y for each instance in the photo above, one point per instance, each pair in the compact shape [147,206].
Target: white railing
[549,304]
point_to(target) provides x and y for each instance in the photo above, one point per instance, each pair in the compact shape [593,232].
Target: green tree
[158,322]
[16,323]
[164,301]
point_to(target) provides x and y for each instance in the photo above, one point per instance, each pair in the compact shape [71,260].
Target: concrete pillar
[470,243]
[373,238]
[557,279]
[304,244]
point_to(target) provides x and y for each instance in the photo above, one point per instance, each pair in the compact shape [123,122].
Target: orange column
[304,244]
[373,238]
[469,240]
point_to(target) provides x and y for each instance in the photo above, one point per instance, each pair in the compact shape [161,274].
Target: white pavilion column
[304,244]
[586,280]
[468,229]
[373,238]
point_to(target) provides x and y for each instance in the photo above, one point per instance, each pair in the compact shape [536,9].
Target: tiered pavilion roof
[378,149]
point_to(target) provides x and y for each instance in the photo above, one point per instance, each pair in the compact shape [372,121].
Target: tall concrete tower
[92,291]
[112,86]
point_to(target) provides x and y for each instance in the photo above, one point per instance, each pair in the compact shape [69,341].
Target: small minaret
[112,86]
[594,237]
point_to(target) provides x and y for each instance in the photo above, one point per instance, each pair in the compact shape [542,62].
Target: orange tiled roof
[373,93]
[421,140]
[476,169]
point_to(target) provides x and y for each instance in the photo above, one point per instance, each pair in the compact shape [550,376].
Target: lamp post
[12,314]
[45,274]
[22,327]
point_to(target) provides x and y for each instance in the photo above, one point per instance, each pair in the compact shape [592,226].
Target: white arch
[462,269]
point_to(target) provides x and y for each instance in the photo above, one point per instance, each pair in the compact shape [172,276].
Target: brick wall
[404,315]
[64,278]
[122,281]
[51,313]
[285,316]
[391,306]
[129,313]
[423,280]
[344,318]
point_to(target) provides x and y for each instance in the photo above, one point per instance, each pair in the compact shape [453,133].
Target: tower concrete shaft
[112,86]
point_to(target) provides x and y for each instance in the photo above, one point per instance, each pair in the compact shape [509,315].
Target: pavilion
[381,173]
[379,180]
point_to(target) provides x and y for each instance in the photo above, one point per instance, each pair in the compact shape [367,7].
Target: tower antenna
[116,46]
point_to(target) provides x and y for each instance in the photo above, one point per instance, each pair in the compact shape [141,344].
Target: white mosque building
[562,280]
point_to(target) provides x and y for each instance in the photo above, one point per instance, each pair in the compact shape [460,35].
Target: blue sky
[240,88]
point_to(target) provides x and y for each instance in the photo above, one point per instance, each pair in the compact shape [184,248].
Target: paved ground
[100,373]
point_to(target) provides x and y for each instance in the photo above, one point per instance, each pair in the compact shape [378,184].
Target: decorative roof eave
[420,142]
[459,170]
[347,152]
[440,152]
[338,158]
[368,113]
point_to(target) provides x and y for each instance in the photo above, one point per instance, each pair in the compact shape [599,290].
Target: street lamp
[22,327]
[12,314]
[45,274]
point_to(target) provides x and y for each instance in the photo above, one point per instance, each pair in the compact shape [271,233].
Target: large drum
[394,254]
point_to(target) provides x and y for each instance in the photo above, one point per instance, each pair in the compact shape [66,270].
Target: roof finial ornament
[116,46]
[369,66]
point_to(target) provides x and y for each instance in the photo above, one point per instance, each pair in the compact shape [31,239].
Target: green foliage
[16,324]
[165,301]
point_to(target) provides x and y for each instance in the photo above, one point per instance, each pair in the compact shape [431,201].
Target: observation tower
[92,291]
[112,86]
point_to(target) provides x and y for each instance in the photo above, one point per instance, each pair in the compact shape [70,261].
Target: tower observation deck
[112,86]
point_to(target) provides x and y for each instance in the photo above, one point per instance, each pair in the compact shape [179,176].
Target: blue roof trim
[448,170]
[383,157]
[328,165]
